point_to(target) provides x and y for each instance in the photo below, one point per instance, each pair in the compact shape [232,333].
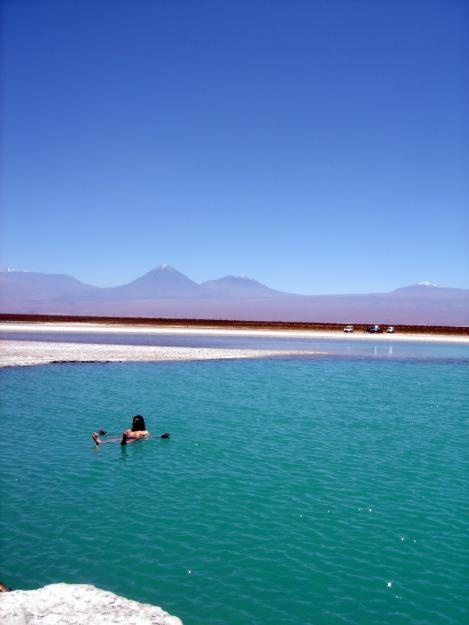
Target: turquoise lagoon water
[310,490]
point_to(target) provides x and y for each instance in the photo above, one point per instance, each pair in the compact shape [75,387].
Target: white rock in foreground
[77,604]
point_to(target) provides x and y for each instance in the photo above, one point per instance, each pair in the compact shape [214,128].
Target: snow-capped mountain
[426,288]
[166,292]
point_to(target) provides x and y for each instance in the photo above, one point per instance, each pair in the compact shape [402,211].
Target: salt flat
[24,353]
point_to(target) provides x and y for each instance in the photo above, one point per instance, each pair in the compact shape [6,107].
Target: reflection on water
[368,347]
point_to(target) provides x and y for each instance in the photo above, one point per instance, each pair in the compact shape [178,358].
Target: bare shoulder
[141,433]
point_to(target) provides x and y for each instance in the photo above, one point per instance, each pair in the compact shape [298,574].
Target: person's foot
[95,437]
[124,439]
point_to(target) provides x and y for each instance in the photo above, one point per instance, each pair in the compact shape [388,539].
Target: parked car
[390,329]
[348,329]
[374,329]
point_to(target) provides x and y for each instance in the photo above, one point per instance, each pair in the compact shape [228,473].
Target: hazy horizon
[214,278]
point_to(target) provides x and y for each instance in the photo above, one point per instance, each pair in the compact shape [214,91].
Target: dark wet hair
[138,423]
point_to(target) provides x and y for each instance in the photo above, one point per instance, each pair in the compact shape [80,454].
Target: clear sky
[317,146]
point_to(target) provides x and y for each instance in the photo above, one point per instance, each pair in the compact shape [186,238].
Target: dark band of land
[229,324]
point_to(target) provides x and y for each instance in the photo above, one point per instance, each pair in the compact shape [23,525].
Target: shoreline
[31,353]
[240,324]
[20,352]
[228,330]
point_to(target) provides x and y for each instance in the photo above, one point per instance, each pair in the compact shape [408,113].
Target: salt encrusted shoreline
[105,328]
[24,353]
[78,604]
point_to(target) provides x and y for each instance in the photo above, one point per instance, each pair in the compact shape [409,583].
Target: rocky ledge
[77,604]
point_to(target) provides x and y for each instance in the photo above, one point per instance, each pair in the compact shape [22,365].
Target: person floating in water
[135,433]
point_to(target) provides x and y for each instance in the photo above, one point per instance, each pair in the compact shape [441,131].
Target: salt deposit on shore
[23,353]
[109,328]
[77,604]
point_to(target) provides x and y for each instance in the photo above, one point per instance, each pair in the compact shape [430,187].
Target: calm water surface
[365,347]
[315,490]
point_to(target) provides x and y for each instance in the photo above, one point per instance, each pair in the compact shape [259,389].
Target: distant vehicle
[348,329]
[374,329]
[390,330]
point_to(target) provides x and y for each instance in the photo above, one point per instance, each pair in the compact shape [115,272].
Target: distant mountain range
[165,292]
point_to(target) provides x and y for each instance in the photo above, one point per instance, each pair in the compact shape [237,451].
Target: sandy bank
[234,332]
[24,353]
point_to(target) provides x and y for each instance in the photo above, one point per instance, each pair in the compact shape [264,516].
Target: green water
[311,491]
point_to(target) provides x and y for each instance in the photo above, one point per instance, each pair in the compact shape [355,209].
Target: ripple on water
[290,491]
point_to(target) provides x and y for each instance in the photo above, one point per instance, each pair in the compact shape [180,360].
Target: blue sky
[317,146]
